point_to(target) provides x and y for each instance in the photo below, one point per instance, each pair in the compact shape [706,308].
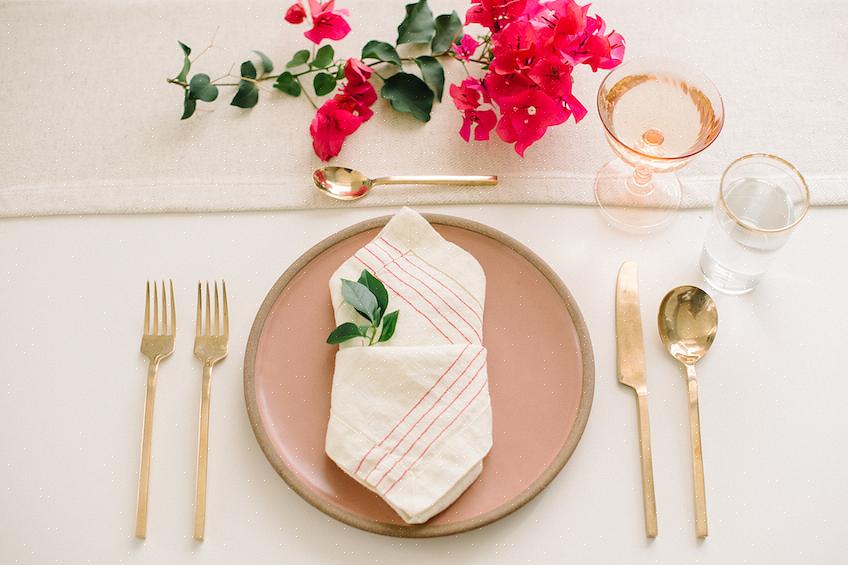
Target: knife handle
[648,497]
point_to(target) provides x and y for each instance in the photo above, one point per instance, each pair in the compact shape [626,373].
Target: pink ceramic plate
[541,381]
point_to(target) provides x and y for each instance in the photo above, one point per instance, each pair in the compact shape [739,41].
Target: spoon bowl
[343,183]
[688,321]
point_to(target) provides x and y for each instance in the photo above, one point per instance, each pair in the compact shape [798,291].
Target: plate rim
[420,530]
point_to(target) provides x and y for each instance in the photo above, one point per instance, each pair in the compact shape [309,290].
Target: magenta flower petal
[328,25]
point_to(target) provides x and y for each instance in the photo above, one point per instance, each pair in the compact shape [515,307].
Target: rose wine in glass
[657,115]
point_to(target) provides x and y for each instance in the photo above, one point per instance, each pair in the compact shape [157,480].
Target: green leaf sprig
[411,90]
[370,299]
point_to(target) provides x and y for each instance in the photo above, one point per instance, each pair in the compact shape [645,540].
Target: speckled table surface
[72,390]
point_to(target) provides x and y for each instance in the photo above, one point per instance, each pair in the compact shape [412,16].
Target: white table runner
[90,126]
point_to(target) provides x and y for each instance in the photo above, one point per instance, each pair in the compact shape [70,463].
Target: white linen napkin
[411,418]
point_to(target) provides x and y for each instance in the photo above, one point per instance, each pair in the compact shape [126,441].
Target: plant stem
[311,101]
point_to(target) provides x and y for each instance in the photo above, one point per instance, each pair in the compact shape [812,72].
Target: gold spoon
[347,184]
[688,321]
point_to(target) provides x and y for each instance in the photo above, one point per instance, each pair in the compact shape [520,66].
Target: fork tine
[155,309]
[217,312]
[208,310]
[164,310]
[199,311]
[226,312]
[173,325]
[147,309]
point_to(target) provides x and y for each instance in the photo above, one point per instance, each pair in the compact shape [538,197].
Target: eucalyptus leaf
[408,93]
[247,95]
[360,298]
[376,287]
[200,88]
[433,74]
[267,65]
[323,83]
[389,325]
[248,69]
[343,333]
[186,49]
[189,105]
[418,26]
[381,51]
[324,57]
[299,58]
[288,84]
[448,29]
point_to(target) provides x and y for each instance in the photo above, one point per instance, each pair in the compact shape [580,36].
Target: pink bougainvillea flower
[505,86]
[296,13]
[577,109]
[327,23]
[569,16]
[334,121]
[526,117]
[553,75]
[467,97]
[602,51]
[483,122]
[356,71]
[533,49]
[358,88]
[466,48]
[494,14]
[514,48]
[342,114]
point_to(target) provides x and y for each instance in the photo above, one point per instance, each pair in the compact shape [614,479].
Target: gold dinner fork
[210,346]
[157,343]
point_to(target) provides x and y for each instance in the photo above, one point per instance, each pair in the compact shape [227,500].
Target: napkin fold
[411,418]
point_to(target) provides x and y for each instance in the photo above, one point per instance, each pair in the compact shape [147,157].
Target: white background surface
[72,393]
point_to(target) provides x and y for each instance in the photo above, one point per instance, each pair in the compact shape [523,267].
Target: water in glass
[735,258]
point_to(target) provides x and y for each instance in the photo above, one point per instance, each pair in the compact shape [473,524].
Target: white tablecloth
[773,391]
[91,126]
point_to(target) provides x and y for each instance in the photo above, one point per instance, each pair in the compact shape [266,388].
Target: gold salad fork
[157,343]
[210,346]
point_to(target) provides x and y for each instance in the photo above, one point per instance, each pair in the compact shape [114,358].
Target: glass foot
[634,208]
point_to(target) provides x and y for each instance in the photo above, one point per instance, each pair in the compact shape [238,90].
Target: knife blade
[630,348]
[630,361]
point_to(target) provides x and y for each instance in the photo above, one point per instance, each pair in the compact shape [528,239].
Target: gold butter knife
[631,372]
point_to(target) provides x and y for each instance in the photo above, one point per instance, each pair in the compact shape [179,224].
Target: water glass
[761,200]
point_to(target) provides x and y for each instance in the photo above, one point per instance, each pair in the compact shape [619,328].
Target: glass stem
[640,182]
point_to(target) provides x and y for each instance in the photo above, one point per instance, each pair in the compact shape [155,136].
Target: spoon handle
[443,180]
[697,455]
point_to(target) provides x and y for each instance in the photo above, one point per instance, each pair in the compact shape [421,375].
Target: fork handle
[146,444]
[202,455]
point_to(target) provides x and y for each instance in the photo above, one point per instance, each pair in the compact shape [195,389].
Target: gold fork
[210,346]
[157,343]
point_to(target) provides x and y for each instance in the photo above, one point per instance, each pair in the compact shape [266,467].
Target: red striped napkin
[411,418]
